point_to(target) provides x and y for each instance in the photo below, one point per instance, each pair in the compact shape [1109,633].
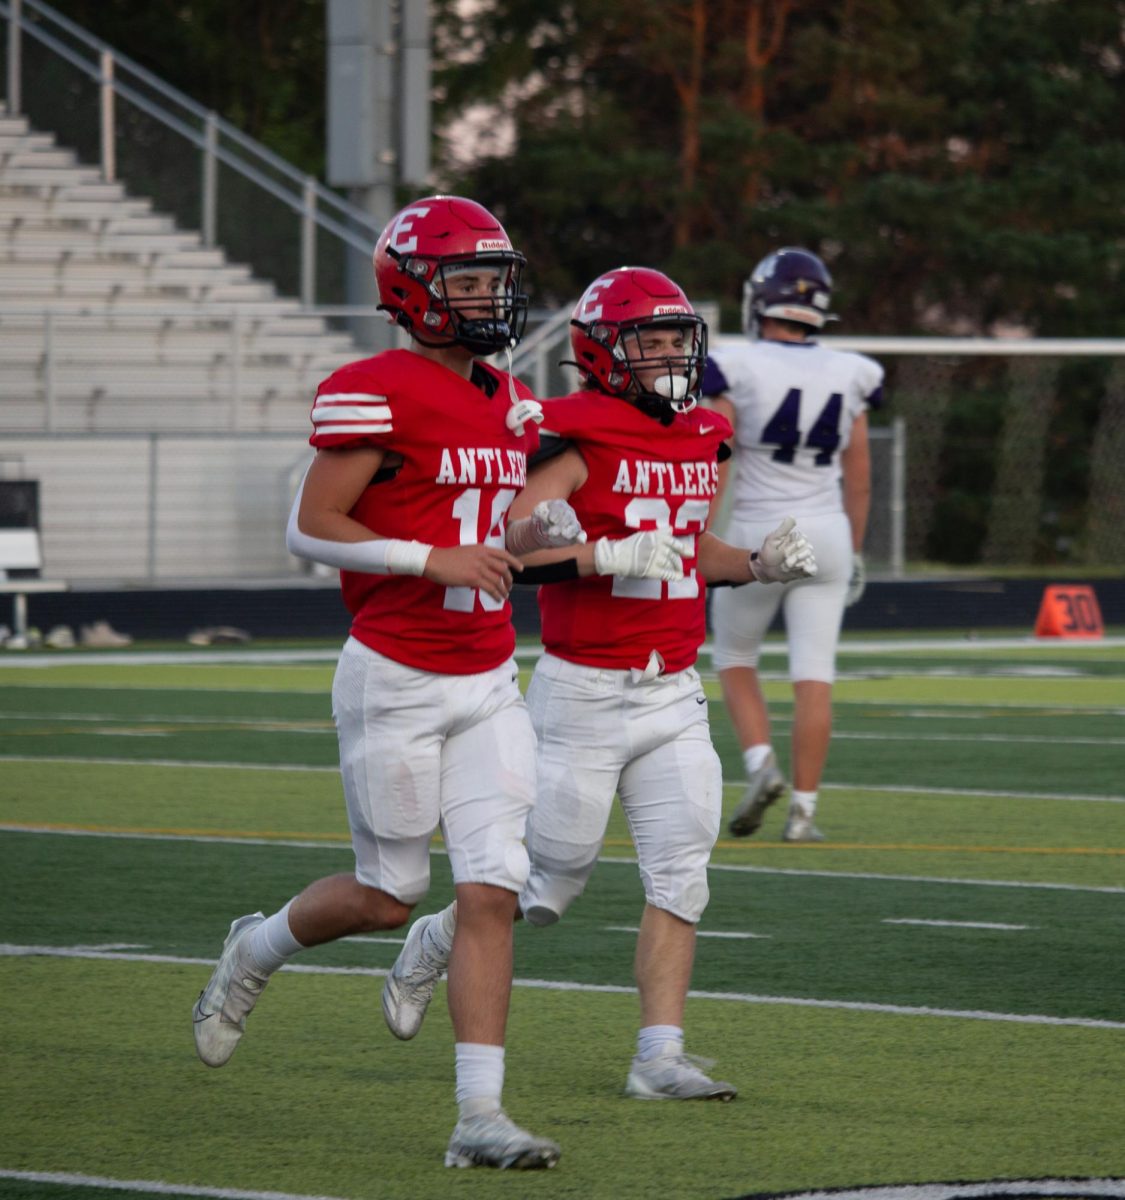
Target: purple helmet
[790,285]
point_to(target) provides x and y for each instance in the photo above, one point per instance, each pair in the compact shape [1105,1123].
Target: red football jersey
[462,467]
[642,475]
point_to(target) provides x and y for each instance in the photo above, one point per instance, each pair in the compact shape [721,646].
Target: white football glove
[858,580]
[786,554]
[521,412]
[556,524]
[654,554]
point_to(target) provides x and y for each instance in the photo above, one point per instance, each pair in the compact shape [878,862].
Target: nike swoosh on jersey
[705,428]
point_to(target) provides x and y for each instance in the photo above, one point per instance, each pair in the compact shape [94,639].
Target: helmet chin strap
[521,411]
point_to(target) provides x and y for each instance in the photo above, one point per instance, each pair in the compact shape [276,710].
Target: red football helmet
[435,236]
[605,334]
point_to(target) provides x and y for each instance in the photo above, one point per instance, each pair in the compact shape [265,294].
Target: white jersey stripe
[328,427]
[350,412]
[346,397]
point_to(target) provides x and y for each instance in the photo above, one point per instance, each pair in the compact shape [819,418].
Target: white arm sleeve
[381,556]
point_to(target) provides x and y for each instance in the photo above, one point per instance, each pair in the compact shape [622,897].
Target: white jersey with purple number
[795,404]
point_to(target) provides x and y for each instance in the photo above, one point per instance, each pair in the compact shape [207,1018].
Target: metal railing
[535,359]
[318,207]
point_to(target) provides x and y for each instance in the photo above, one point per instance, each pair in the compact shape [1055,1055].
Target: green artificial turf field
[936,993]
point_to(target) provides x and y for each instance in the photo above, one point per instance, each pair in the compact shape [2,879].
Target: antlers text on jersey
[653,477]
[476,466]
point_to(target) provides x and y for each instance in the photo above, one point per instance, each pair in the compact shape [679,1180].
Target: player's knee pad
[725,657]
[409,893]
[516,863]
[499,858]
[553,886]
[683,894]
[546,897]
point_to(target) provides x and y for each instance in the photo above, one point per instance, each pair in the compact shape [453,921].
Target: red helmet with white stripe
[427,244]
[612,333]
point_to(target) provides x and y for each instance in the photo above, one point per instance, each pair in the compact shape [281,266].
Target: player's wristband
[406,558]
[556,572]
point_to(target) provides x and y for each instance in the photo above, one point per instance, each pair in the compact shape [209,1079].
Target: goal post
[1003,453]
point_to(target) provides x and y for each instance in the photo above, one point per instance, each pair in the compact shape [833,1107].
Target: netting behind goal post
[1014,451]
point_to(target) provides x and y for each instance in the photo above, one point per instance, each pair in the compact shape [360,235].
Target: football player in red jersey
[420,452]
[618,678]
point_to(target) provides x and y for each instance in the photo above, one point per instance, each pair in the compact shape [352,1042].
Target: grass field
[937,993]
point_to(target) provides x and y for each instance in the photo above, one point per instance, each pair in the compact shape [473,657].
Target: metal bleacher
[155,389]
[113,318]
[156,392]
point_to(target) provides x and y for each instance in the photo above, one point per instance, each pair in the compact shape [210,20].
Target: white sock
[480,1077]
[272,942]
[803,804]
[438,938]
[755,756]
[653,1038]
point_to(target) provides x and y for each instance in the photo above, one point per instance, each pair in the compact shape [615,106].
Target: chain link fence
[1015,452]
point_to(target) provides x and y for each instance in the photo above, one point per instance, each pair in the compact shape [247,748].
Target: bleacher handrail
[307,196]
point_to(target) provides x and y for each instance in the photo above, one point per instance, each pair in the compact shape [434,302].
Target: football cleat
[219,1016]
[800,828]
[763,787]
[674,1075]
[495,1140]
[409,988]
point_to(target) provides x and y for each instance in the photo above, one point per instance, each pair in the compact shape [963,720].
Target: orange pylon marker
[1069,611]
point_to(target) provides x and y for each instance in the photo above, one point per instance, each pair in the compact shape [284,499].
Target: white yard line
[1034,739]
[703,933]
[12,950]
[342,845]
[985,1189]
[197,764]
[169,762]
[952,924]
[908,789]
[951,881]
[1079,1188]
[149,1185]
[258,724]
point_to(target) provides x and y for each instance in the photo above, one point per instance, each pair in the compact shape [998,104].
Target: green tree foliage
[258,63]
[958,162]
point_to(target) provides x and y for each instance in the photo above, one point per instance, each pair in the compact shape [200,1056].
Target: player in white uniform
[799,412]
